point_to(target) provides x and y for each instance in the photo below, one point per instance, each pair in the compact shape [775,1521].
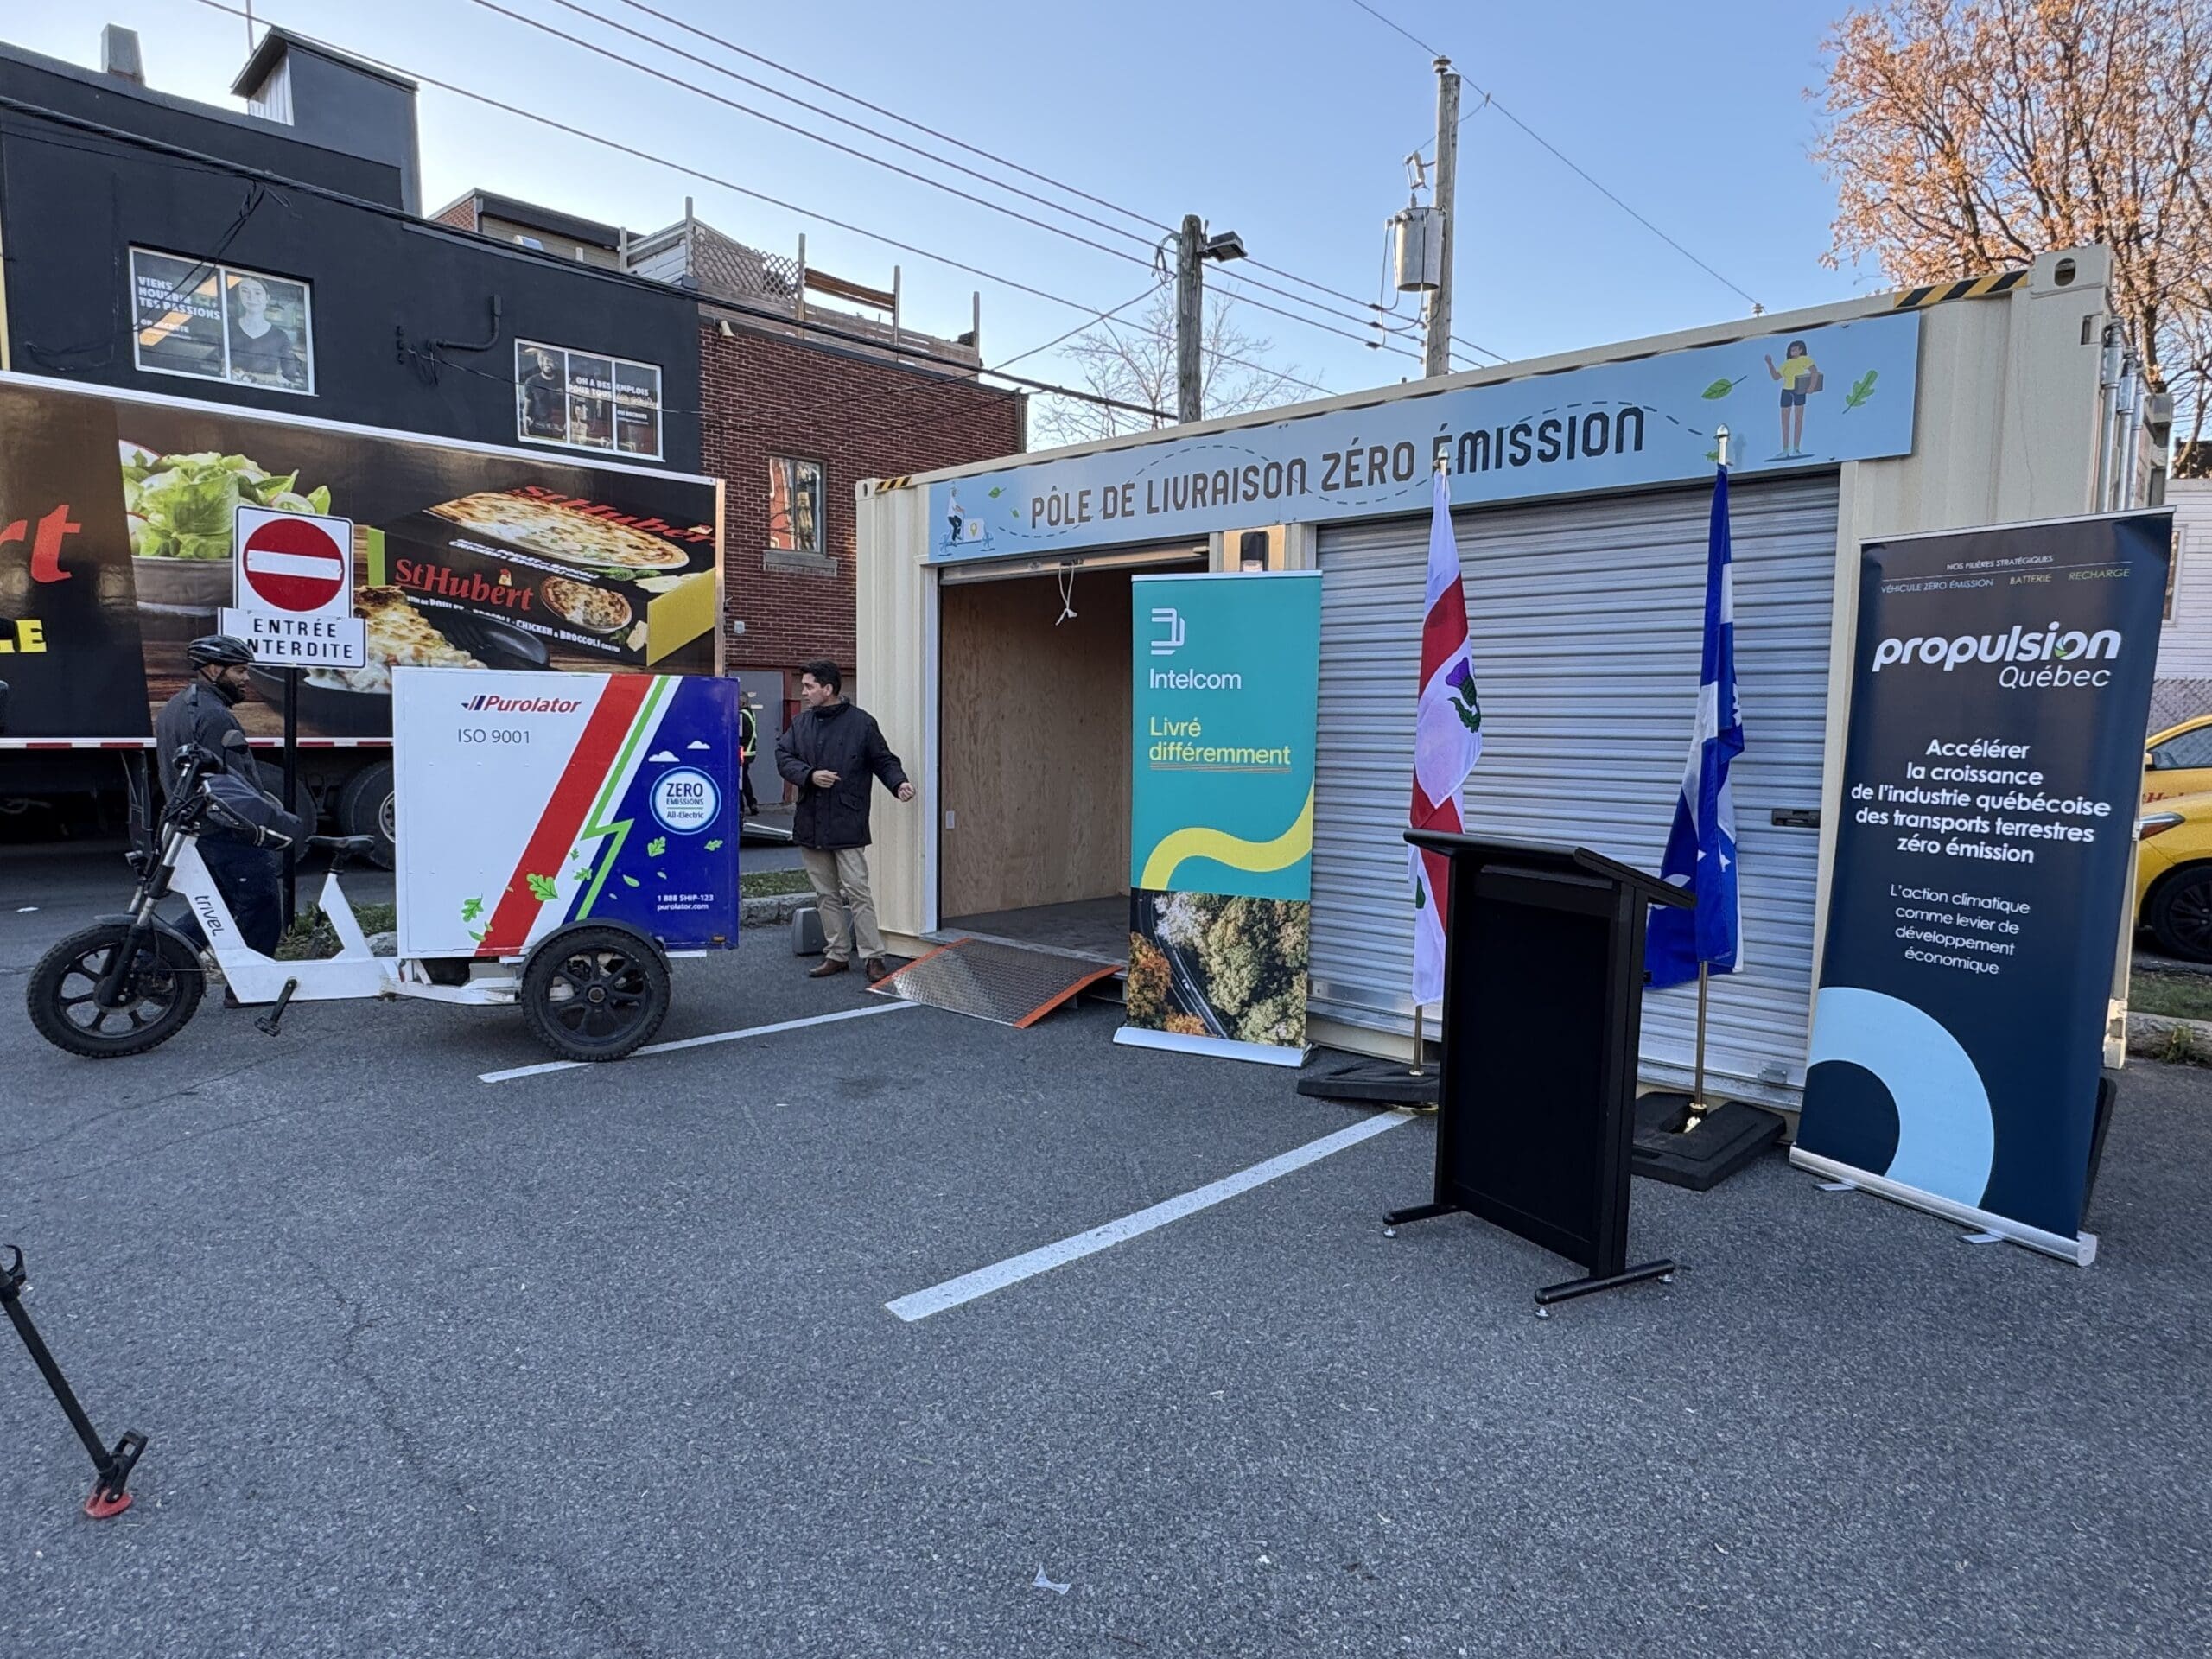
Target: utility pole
[1190,321]
[1439,355]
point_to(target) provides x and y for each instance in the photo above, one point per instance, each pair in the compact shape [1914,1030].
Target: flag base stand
[1687,1140]
[1374,1083]
[1414,1086]
[1729,1137]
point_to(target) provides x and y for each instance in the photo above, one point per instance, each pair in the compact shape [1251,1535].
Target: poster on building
[213,322]
[464,556]
[1225,687]
[1998,700]
[586,400]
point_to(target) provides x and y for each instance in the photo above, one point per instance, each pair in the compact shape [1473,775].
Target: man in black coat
[835,752]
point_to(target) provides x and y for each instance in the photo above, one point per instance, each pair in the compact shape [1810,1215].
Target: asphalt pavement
[597,1362]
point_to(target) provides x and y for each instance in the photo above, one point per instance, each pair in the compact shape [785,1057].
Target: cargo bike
[561,837]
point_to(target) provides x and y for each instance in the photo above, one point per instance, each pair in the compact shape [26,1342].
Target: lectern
[1543,999]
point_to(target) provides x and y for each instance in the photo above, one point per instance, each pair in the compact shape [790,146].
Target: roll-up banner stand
[1999,694]
[1224,696]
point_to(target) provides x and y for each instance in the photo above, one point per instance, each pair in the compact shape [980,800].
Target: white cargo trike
[561,838]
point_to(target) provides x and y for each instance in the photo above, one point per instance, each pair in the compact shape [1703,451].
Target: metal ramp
[992,979]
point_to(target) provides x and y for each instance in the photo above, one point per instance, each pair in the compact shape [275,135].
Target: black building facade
[304,222]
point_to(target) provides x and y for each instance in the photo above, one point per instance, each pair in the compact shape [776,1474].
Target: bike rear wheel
[160,993]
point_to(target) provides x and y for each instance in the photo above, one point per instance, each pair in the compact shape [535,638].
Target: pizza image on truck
[116,510]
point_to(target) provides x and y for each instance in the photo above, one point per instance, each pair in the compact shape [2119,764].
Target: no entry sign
[294,589]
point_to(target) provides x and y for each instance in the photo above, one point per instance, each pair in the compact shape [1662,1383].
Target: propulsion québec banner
[1999,694]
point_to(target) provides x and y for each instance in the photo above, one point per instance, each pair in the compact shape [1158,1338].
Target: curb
[776,908]
[2155,1036]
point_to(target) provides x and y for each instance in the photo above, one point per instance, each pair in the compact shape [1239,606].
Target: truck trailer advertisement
[117,515]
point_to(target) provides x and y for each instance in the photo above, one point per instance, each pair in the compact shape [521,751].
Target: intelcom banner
[1809,396]
[1225,695]
[1999,701]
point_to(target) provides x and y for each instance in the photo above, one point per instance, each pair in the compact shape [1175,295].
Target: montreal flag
[1447,740]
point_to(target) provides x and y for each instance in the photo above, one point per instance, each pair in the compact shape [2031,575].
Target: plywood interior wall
[1035,732]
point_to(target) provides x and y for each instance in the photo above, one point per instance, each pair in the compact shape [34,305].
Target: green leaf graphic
[656,846]
[1721,389]
[471,909]
[542,887]
[660,875]
[629,880]
[1861,390]
[477,934]
[714,845]
[997,490]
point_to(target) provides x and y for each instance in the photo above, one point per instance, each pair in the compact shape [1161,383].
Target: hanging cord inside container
[1067,597]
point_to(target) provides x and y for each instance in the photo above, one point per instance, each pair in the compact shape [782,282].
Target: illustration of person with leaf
[1800,377]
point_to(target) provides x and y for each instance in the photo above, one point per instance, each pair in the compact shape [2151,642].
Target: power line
[890,166]
[1153,225]
[1058,339]
[1573,166]
[947,260]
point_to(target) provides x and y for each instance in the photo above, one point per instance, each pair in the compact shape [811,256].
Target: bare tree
[1134,362]
[1966,135]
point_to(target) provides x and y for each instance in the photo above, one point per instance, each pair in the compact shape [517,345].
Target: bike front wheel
[161,992]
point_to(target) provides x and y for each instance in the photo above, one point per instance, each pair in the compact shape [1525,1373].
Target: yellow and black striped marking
[1973,288]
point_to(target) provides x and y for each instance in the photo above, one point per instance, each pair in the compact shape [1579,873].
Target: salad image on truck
[466,556]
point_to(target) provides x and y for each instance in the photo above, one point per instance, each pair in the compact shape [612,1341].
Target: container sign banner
[527,801]
[1812,396]
[1994,761]
[1225,695]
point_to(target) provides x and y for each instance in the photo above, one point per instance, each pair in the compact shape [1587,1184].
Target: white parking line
[982,1282]
[539,1071]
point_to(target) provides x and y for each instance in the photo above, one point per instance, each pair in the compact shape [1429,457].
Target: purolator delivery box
[528,801]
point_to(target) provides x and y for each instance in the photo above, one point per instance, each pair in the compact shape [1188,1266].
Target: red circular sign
[294,564]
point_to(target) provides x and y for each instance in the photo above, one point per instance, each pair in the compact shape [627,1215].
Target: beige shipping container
[1003,683]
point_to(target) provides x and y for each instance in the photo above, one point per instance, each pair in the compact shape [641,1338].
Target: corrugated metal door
[1586,619]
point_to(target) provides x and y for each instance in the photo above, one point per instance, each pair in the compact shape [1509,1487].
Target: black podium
[1543,999]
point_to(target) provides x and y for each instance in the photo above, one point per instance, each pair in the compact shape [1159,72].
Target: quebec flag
[1702,846]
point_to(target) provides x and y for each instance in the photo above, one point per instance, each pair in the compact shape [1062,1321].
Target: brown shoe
[877,968]
[827,966]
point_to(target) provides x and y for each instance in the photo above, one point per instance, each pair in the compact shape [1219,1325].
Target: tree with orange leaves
[1968,135]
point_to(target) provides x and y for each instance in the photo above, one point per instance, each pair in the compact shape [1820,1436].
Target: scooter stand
[112,1469]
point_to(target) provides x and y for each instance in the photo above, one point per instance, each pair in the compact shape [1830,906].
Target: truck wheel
[2181,914]
[595,993]
[161,995]
[364,808]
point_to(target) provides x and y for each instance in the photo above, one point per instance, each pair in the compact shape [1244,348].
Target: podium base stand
[1661,1270]
[1374,1083]
[1732,1136]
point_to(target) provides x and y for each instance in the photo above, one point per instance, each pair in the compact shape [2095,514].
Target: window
[2185,752]
[213,322]
[795,503]
[586,400]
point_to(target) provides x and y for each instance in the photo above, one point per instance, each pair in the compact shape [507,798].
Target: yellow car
[2178,760]
[2173,875]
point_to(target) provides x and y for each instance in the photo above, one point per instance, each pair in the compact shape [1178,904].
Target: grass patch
[2177,996]
[769,884]
[304,943]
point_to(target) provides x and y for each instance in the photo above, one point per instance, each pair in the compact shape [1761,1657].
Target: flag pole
[1697,1081]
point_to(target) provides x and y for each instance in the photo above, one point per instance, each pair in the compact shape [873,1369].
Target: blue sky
[1287,122]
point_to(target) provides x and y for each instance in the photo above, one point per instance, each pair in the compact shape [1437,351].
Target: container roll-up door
[1586,619]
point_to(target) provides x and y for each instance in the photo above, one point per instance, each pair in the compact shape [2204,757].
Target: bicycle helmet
[219,651]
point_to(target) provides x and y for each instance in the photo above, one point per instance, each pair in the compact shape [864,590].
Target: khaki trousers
[841,892]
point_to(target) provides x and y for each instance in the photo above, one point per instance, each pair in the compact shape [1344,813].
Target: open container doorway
[1033,761]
